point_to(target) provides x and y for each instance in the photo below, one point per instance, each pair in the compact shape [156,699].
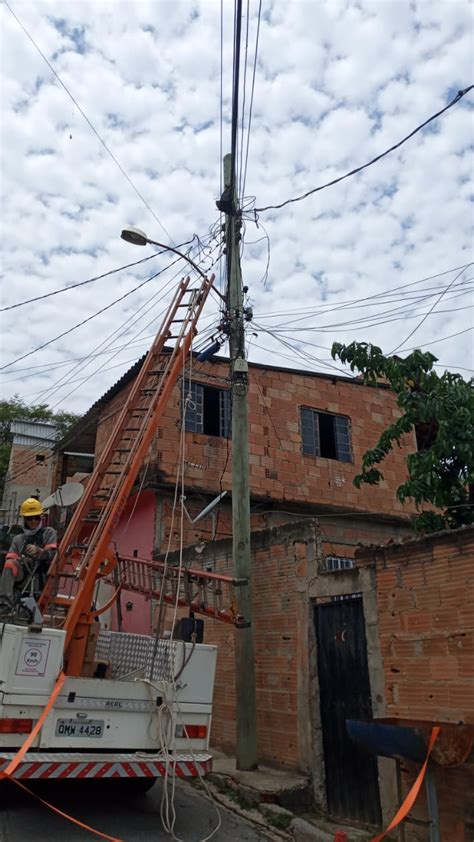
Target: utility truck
[78,700]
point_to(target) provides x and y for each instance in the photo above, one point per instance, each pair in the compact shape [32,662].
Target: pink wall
[137,538]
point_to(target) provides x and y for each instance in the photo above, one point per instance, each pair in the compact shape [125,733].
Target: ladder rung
[132,429]
[114,473]
[63,600]
[122,450]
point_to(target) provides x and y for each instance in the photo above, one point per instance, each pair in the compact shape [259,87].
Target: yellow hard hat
[31,508]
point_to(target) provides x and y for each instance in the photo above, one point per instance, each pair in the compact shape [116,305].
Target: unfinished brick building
[308,433]
[30,468]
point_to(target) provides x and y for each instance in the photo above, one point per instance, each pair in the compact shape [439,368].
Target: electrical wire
[235,93]
[84,283]
[38,449]
[91,126]
[304,356]
[371,320]
[462,93]
[157,297]
[93,316]
[412,297]
[435,304]
[221,123]
[346,303]
[251,99]
[89,318]
[244,91]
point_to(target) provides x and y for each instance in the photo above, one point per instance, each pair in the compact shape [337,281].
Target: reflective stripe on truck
[81,765]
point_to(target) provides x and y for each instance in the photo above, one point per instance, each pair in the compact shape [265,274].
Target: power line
[429,311]
[235,92]
[391,291]
[101,367]
[244,92]
[89,280]
[115,333]
[91,126]
[361,321]
[428,343]
[157,297]
[89,318]
[35,450]
[460,94]
[251,98]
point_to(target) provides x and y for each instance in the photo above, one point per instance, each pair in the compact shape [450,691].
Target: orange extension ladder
[114,475]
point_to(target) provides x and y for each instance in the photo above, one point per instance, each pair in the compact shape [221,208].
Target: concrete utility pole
[246,719]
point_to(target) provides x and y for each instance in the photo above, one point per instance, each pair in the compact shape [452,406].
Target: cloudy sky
[336,83]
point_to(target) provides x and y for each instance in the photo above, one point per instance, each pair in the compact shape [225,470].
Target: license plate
[79,727]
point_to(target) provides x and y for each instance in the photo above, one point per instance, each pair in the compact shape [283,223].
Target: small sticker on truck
[33,656]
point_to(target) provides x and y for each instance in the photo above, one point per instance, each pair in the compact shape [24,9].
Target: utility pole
[246,748]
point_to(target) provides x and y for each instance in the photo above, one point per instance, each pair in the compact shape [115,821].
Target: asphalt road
[112,810]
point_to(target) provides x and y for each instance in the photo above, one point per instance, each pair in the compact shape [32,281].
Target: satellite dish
[65,495]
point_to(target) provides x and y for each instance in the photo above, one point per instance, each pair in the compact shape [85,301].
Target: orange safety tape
[414,792]
[34,733]
[65,815]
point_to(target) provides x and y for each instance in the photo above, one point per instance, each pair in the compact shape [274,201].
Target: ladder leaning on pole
[115,473]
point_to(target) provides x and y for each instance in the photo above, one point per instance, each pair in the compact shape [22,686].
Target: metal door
[351,773]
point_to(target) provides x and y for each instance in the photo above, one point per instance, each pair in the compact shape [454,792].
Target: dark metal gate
[351,773]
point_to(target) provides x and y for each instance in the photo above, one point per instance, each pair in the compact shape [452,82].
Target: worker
[36,542]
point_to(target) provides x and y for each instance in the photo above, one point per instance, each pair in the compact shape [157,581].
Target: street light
[135,236]
[138,238]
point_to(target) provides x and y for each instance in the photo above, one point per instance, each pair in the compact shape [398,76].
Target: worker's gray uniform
[13,572]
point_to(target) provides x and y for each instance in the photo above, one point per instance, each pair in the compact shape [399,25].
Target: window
[324,434]
[337,562]
[40,457]
[209,411]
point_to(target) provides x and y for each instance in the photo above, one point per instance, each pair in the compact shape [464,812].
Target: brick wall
[278,469]
[29,472]
[425,596]
[280,559]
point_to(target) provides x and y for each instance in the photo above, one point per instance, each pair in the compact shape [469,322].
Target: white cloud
[337,82]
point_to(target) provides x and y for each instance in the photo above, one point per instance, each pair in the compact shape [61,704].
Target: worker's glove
[32,550]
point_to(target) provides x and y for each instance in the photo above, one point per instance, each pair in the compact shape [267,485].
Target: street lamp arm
[139,238]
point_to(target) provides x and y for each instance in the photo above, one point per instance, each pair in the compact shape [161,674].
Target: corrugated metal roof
[33,433]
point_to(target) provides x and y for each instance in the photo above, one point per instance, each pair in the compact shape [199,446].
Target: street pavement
[110,809]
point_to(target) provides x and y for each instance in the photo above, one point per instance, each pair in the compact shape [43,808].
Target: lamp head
[135,236]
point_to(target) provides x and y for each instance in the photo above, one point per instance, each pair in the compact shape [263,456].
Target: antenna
[65,495]
[207,511]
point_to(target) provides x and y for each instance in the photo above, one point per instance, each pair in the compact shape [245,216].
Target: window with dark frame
[208,411]
[324,434]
